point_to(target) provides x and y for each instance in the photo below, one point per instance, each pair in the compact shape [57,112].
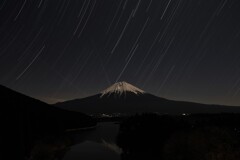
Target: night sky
[56,50]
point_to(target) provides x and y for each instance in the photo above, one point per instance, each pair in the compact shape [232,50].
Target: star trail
[56,50]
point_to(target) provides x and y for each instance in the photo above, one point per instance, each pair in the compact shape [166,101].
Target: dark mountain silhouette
[25,119]
[38,113]
[125,98]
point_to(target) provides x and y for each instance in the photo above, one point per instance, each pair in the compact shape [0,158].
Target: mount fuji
[121,88]
[123,97]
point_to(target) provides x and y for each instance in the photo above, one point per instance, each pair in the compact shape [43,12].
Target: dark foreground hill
[25,119]
[195,137]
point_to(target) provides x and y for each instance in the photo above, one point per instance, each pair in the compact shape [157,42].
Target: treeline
[200,136]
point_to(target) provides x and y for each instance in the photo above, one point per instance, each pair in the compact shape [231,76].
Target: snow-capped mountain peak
[120,88]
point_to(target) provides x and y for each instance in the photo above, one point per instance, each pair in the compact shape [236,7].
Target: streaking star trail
[178,49]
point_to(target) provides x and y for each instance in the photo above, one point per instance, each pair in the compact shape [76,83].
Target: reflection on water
[91,151]
[97,144]
[90,145]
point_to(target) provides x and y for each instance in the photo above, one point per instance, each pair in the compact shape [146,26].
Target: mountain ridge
[127,101]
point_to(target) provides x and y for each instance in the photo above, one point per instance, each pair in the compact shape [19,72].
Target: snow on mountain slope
[120,88]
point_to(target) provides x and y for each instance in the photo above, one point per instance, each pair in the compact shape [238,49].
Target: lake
[95,144]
